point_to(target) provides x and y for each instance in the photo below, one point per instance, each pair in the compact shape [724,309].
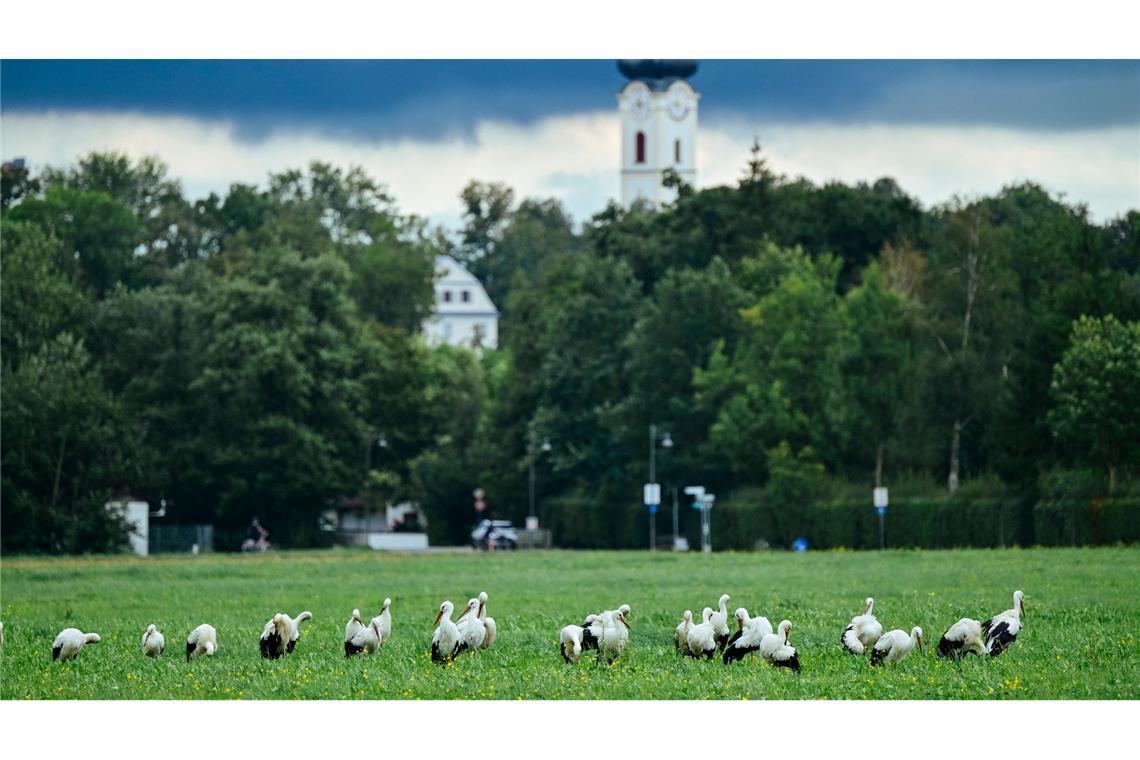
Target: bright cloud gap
[575,158]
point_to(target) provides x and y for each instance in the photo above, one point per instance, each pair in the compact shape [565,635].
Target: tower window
[465,296]
[447,296]
[641,147]
[677,151]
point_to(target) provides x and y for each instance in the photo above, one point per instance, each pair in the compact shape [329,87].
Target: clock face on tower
[639,103]
[678,104]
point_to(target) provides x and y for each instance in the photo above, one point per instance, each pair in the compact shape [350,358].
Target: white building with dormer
[464,314]
[658,128]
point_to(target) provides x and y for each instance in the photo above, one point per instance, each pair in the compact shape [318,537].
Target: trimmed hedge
[965,520]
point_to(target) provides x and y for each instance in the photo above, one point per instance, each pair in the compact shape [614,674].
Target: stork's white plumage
[153,642]
[720,621]
[894,645]
[295,630]
[1,634]
[471,629]
[591,631]
[279,637]
[750,632]
[702,637]
[570,643]
[683,631]
[354,626]
[615,634]
[963,637]
[863,630]
[367,640]
[384,621]
[445,639]
[488,622]
[202,641]
[776,649]
[69,641]
[1001,630]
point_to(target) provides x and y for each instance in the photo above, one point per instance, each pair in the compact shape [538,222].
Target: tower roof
[657,68]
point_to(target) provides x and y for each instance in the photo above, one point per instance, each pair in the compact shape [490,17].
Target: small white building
[464,314]
[658,128]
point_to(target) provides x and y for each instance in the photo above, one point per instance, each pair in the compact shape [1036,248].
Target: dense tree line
[239,355]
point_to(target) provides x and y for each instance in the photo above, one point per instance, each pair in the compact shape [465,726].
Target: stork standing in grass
[776,649]
[69,641]
[384,621]
[863,630]
[1001,630]
[895,645]
[153,642]
[615,634]
[470,627]
[570,643]
[354,626]
[202,641]
[591,631]
[683,631]
[280,635]
[964,637]
[702,637]
[371,637]
[445,639]
[750,632]
[488,622]
[719,622]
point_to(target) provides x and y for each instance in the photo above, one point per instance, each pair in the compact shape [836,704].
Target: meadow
[1080,640]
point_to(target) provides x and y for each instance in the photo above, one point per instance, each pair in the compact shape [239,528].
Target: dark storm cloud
[374,100]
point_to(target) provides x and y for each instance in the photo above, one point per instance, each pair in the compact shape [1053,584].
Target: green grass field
[1080,640]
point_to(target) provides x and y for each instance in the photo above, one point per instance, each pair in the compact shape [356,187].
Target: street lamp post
[532,454]
[667,443]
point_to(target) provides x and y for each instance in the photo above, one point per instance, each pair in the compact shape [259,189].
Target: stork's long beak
[437,617]
[866,608]
[920,644]
[463,614]
[480,612]
[623,621]
[147,637]
[1022,605]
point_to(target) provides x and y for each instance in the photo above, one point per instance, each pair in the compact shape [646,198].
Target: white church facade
[464,314]
[658,110]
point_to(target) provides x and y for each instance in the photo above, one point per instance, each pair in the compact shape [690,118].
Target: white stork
[488,622]
[1001,630]
[384,621]
[1,634]
[153,642]
[863,630]
[279,637]
[719,622]
[570,643]
[683,631]
[615,634]
[471,629]
[702,637]
[591,631]
[369,638]
[354,626]
[895,645]
[750,632]
[963,637]
[203,640]
[69,641]
[775,648]
[445,639]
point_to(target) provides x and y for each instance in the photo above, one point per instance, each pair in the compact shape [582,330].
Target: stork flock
[606,633]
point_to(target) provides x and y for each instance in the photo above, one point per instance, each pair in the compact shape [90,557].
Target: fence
[173,539]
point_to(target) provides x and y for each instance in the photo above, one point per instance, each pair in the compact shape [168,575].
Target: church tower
[658,128]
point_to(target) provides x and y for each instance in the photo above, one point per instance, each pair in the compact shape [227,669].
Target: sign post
[880,497]
[652,498]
